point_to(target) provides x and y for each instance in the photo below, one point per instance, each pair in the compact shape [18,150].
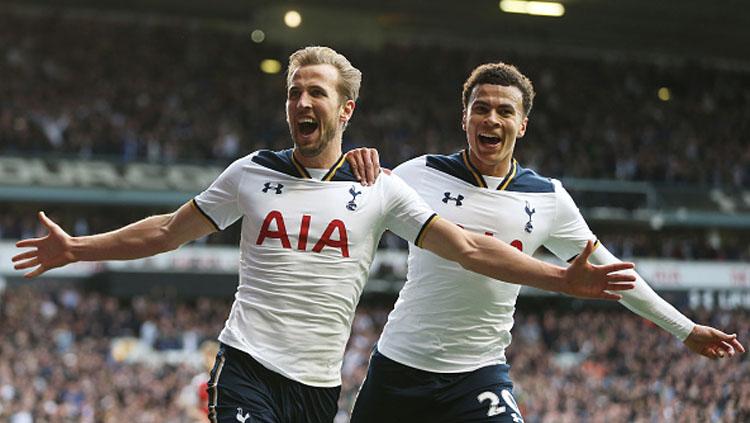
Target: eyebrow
[508,104]
[315,86]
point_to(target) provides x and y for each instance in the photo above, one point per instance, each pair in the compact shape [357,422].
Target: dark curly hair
[500,74]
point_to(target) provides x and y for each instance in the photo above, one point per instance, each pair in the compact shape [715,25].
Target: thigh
[391,392]
[237,392]
[308,404]
[485,395]
[491,404]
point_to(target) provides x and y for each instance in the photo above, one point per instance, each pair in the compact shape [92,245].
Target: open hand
[51,251]
[713,343]
[586,280]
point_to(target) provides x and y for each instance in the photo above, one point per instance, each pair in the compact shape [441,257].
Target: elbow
[468,256]
[166,243]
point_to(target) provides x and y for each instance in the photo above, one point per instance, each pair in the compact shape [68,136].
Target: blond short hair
[350,78]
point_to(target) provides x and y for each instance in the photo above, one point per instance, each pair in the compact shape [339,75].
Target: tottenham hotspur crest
[351,205]
[529,227]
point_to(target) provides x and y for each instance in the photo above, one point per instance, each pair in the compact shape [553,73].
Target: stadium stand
[193,94]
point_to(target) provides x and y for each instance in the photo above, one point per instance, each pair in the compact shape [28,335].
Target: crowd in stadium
[186,93]
[609,365]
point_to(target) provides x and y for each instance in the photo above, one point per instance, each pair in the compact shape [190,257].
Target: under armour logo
[351,205]
[458,199]
[268,186]
[240,416]
[529,227]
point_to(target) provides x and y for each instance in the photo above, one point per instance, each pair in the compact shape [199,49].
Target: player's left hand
[585,280]
[713,343]
[365,164]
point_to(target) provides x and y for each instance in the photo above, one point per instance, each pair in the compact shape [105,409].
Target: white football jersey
[305,254]
[446,318]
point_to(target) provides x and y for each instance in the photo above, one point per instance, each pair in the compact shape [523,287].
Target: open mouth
[489,139]
[307,126]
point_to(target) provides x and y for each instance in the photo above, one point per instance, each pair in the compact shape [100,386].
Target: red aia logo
[280,233]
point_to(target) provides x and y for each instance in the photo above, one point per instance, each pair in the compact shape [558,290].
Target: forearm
[501,261]
[144,238]
[492,258]
[646,303]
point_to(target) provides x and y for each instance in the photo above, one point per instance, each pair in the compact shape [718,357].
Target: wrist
[75,247]
[557,280]
[563,282]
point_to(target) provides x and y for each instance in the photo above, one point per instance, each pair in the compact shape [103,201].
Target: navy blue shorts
[242,390]
[393,392]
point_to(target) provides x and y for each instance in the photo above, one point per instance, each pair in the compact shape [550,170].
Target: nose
[304,101]
[492,119]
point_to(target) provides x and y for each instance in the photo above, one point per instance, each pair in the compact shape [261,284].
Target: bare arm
[498,260]
[147,237]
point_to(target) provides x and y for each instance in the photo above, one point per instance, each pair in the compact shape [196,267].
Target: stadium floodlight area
[535,8]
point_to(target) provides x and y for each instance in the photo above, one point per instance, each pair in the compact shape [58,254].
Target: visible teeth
[306,120]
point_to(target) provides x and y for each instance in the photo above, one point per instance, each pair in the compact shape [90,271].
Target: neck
[323,160]
[499,169]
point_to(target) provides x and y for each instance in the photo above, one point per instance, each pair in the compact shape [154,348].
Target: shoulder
[528,180]
[280,161]
[276,160]
[410,165]
[455,165]
[452,164]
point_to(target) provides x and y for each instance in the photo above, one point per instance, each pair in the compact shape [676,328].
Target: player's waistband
[495,373]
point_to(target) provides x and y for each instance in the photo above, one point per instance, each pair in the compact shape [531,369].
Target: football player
[441,356]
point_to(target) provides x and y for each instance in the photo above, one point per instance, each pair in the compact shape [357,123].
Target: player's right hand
[51,251]
[585,280]
[365,164]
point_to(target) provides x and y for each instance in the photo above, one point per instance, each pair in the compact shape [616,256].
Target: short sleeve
[220,202]
[569,232]
[407,214]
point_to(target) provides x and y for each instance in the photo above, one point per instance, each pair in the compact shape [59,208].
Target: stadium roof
[681,28]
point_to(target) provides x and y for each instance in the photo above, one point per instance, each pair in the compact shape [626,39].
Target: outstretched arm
[498,260]
[642,300]
[147,237]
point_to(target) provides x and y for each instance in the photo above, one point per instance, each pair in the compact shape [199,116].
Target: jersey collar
[479,179]
[285,162]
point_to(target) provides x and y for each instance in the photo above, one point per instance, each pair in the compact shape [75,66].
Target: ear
[463,119]
[347,110]
[522,127]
